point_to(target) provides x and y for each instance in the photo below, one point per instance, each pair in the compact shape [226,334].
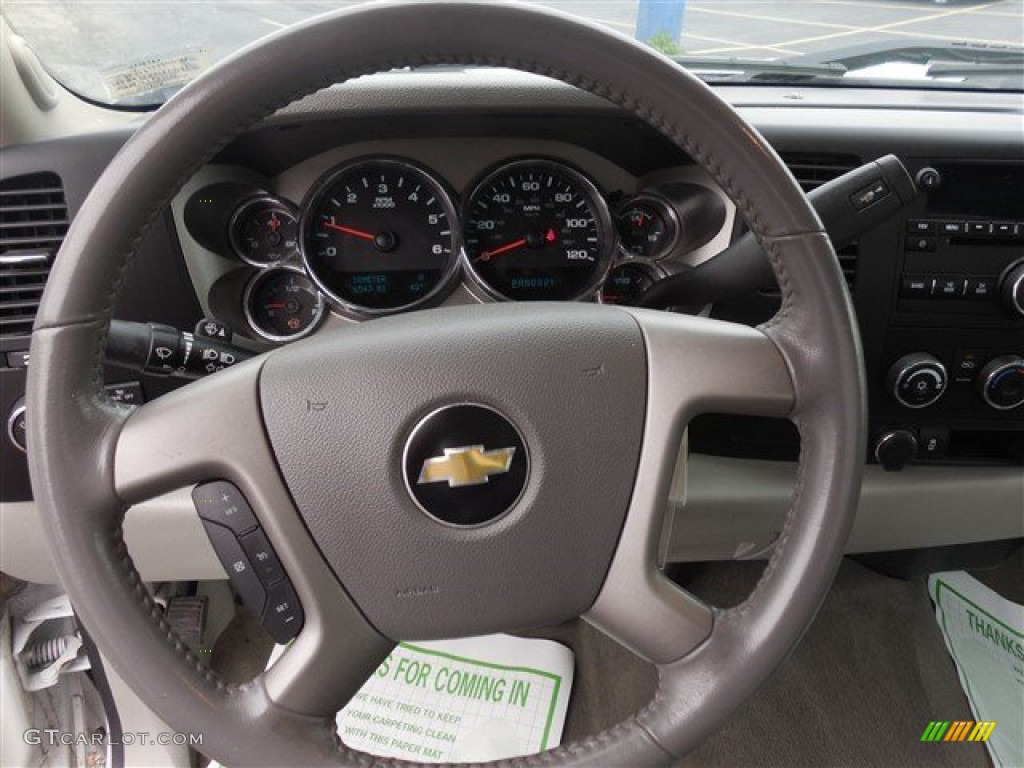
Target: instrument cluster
[379,235]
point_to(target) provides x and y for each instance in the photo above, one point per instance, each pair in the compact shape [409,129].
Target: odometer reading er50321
[380,235]
[536,230]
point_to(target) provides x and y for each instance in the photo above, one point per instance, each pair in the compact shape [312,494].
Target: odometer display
[536,230]
[380,236]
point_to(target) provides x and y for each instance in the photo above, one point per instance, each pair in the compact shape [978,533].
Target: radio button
[952,228]
[950,287]
[980,288]
[917,287]
[1011,290]
[1002,228]
[979,228]
[920,243]
[921,227]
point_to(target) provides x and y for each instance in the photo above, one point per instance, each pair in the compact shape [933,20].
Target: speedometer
[537,230]
[380,235]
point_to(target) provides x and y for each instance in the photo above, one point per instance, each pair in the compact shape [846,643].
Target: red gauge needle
[280,305]
[488,255]
[349,231]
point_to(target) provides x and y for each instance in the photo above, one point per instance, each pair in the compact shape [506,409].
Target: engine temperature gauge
[283,304]
[648,228]
[264,232]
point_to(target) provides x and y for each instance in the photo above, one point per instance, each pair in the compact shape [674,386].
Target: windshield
[136,54]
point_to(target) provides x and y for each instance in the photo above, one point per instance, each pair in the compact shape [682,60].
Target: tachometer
[380,235]
[537,230]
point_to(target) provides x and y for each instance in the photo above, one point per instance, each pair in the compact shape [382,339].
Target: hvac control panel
[952,383]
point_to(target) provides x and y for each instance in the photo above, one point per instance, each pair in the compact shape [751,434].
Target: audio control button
[950,287]
[916,287]
[916,243]
[921,227]
[1011,290]
[980,288]
[953,228]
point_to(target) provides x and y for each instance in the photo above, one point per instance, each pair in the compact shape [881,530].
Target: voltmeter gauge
[283,304]
[648,228]
[264,231]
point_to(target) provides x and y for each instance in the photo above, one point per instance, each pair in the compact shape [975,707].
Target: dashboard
[406,191]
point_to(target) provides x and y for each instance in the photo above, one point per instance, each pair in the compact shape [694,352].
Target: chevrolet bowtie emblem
[467,465]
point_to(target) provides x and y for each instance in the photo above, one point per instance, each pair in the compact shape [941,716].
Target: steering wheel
[598,396]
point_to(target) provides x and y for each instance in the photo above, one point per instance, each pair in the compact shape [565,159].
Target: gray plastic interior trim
[137,717]
[735,507]
[693,366]
[213,430]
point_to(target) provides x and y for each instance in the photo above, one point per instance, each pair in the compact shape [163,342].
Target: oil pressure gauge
[283,304]
[263,231]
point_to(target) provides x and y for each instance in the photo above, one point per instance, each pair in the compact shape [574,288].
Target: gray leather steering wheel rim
[75,431]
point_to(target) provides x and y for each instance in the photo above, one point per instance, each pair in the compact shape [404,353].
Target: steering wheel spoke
[695,366]
[213,429]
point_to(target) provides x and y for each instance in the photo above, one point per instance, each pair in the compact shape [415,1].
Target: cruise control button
[238,567]
[282,617]
[222,503]
[262,557]
[916,287]
[950,287]
[869,195]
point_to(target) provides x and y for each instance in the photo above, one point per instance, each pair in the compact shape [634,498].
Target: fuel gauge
[263,232]
[283,304]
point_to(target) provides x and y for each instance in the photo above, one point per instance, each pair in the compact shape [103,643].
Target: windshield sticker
[152,75]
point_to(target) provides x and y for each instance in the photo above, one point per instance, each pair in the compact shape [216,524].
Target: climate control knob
[1011,290]
[1001,382]
[917,380]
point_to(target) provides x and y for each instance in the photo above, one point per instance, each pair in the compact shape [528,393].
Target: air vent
[811,171]
[33,222]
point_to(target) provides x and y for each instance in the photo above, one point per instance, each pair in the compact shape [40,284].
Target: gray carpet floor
[860,689]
